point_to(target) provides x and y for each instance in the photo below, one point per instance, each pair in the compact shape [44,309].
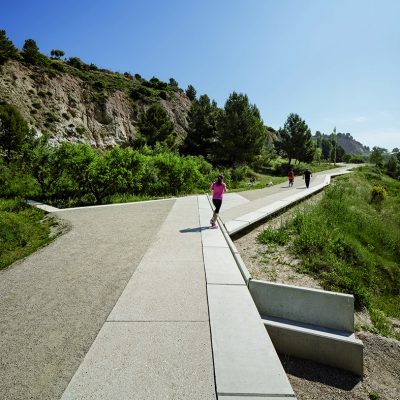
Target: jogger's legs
[217,203]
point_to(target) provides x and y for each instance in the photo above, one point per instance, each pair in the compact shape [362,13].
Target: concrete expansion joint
[260,395]
[226,284]
[157,321]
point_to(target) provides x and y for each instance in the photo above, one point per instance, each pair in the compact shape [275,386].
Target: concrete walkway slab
[136,361]
[166,291]
[232,200]
[156,342]
[221,267]
[246,363]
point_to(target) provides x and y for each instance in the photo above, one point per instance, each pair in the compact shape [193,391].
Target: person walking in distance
[217,188]
[306,176]
[291,177]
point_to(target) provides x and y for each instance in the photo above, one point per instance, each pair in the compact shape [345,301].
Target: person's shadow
[194,230]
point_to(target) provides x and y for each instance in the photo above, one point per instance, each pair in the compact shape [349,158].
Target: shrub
[279,236]
[378,194]
[140,93]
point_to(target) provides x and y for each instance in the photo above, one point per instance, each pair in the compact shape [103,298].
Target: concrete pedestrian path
[242,209]
[139,301]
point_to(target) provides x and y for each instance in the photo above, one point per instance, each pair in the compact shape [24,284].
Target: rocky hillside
[92,106]
[351,146]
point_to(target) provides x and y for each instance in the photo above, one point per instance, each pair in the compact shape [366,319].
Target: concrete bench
[245,361]
[308,323]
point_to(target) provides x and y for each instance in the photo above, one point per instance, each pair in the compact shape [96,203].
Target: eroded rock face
[69,109]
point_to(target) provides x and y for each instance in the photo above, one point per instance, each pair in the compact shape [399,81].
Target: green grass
[21,231]
[350,241]
[278,236]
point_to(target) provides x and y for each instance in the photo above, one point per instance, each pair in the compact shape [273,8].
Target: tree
[340,154]
[318,138]
[155,126]
[30,52]
[57,54]
[14,132]
[241,133]
[326,147]
[7,48]
[295,140]
[284,145]
[173,82]
[392,167]
[76,62]
[332,157]
[317,154]
[191,92]
[202,130]
[376,156]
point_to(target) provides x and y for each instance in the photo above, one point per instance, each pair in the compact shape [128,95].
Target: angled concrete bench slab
[245,361]
[309,323]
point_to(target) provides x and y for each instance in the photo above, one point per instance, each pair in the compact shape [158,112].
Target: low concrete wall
[344,352]
[310,306]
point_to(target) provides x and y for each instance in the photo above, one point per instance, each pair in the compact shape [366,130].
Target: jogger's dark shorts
[217,203]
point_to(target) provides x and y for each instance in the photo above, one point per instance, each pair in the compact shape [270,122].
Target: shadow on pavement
[194,230]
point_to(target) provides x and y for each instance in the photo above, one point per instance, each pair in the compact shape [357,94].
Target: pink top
[218,190]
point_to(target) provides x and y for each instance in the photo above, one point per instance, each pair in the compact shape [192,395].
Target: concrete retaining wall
[311,306]
[310,323]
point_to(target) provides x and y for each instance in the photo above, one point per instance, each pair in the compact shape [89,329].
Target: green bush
[378,194]
[14,182]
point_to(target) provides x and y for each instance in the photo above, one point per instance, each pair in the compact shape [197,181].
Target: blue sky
[333,62]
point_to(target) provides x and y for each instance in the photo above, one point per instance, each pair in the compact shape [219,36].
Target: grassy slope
[352,244]
[22,231]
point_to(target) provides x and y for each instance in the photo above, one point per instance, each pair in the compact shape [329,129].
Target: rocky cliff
[69,107]
[351,146]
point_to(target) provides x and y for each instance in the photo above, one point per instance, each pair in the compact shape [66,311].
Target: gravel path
[54,302]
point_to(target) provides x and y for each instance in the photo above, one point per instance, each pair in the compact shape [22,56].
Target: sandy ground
[310,380]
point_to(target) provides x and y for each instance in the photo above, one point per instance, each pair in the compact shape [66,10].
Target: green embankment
[350,242]
[22,230]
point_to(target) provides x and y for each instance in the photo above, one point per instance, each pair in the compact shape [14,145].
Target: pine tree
[191,92]
[14,132]
[241,133]
[7,48]
[30,52]
[295,140]
[201,134]
[155,126]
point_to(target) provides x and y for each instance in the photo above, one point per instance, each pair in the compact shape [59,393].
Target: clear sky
[333,62]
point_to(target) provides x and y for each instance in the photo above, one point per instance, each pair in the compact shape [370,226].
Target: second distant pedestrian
[290,177]
[307,176]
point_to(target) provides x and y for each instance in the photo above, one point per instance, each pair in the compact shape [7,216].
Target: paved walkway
[137,301]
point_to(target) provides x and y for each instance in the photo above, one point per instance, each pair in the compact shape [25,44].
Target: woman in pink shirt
[218,188]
